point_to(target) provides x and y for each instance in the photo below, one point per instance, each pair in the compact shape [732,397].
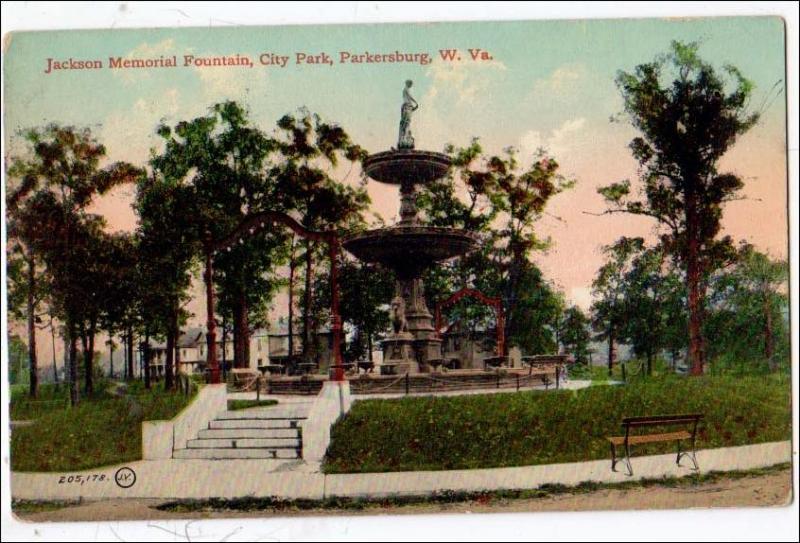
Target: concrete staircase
[257,433]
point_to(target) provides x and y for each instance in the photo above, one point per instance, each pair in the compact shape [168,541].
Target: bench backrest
[660,420]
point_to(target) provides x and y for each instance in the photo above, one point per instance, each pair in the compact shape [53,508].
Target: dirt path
[765,490]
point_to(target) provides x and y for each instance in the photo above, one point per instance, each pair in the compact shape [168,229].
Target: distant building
[279,344]
[470,347]
[192,347]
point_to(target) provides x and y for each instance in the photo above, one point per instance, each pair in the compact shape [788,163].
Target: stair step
[233,454]
[245,443]
[239,433]
[275,424]
[263,414]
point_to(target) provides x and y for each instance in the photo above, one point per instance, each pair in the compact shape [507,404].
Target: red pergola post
[211,325]
[336,319]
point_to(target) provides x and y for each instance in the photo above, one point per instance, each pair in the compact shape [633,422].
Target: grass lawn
[235,405]
[537,427]
[102,430]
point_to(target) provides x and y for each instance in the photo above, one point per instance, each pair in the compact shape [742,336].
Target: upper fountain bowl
[407,166]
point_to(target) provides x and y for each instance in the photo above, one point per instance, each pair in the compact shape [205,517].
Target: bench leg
[691,455]
[613,458]
[628,459]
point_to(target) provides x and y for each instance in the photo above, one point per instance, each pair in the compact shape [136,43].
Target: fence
[427,383]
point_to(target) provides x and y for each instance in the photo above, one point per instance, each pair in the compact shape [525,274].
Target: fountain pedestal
[399,356]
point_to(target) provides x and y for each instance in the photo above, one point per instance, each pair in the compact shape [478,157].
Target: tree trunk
[31,309]
[307,332]
[369,345]
[146,361]
[129,347]
[74,394]
[111,354]
[649,364]
[694,286]
[177,347]
[88,359]
[611,349]
[92,336]
[769,336]
[169,356]
[292,267]
[88,385]
[55,367]
[241,333]
[124,342]
[224,347]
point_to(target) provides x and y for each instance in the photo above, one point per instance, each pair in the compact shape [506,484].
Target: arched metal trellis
[495,303]
[249,226]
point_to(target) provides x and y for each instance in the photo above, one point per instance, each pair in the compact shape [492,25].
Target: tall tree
[688,115]
[364,292]
[120,293]
[26,290]
[608,312]
[311,148]
[227,162]
[748,305]
[17,358]
[168,235]
[501,199]
[59,176]
[574,334]
[647,289]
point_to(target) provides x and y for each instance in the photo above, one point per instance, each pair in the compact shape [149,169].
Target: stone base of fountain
[398,354]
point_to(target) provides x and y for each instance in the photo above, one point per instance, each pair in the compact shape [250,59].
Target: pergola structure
[495,303]
[248,227]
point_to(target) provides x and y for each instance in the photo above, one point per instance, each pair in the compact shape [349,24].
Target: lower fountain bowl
[410,247]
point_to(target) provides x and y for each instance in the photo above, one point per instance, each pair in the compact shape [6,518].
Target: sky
[548,84]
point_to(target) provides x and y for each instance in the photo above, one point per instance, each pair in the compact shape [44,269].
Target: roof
[456,328]
[191,337]
[196,337]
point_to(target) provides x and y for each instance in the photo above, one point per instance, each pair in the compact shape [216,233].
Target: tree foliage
[500,198]
[58,178]
[688,114]
[747,324]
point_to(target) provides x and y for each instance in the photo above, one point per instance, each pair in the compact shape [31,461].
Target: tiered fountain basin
[406,166]
[410,248]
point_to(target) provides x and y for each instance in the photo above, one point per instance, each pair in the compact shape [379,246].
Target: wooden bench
[633,423]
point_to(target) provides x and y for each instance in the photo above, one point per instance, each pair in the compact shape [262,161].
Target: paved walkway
[285,399]
[297,479]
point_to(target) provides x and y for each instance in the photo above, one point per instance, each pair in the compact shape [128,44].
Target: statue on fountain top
[405,139]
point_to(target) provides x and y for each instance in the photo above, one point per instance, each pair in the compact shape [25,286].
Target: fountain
[409,248]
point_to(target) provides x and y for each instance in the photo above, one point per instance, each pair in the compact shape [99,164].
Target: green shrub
[235,405]
[526,428]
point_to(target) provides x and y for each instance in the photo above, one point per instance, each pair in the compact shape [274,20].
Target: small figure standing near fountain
[405,140]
